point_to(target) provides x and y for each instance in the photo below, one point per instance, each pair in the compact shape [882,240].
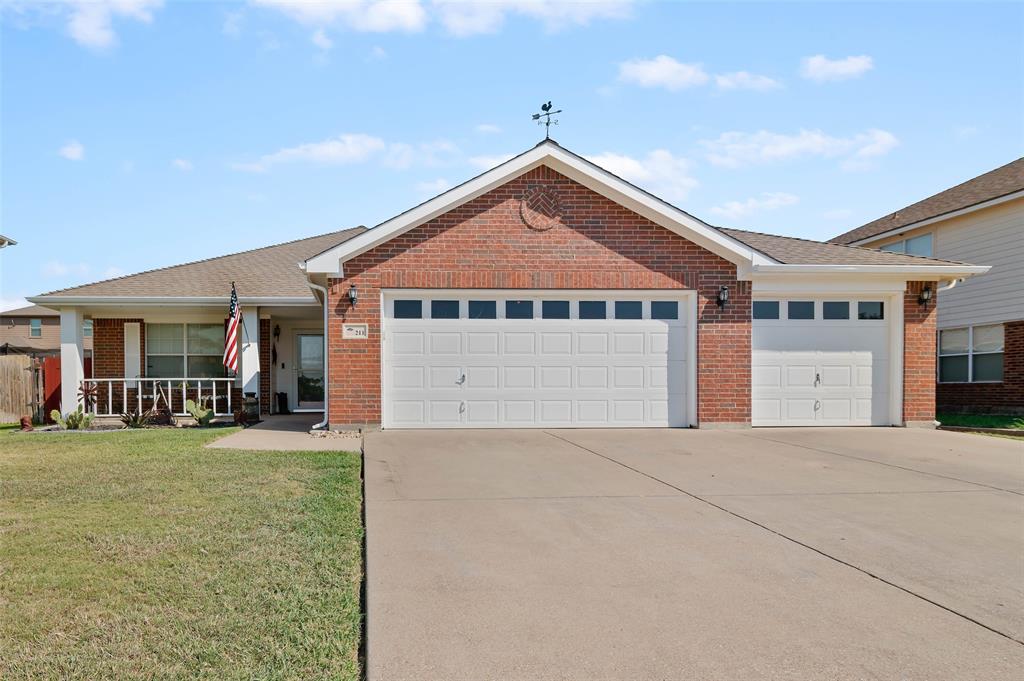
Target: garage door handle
[462,379]
[817,405]
[817,380]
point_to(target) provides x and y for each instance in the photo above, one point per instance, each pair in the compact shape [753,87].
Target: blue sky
[138,134]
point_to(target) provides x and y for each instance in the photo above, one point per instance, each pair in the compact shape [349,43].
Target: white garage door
[820,363]
[452,360]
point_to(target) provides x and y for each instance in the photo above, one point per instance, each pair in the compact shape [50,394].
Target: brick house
[545,292]
[980,366]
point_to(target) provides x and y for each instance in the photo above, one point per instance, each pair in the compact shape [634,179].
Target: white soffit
[547,153]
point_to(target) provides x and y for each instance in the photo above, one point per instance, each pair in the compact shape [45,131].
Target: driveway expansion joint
[836,559]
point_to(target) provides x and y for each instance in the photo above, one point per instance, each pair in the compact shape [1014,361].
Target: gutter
[941,271]
[172,301]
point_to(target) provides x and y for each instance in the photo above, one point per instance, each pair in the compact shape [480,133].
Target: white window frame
[901,245]
[35,327]
[184,354]
[87,328]
[969,354]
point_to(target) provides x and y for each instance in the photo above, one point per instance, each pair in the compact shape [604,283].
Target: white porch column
[249,357]
[72,358]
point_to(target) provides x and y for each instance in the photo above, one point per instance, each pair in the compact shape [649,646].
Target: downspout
[327,373]
[948,286]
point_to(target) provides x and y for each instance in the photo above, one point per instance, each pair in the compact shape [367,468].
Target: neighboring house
[981,320]
[35,331]
[546,292]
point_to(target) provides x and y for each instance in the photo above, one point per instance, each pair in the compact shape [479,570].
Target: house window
[35,328]
[971,355]
[918,245]
[184,350]
[87,328]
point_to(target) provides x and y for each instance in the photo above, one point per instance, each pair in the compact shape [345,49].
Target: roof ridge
[832,243]
[205,260]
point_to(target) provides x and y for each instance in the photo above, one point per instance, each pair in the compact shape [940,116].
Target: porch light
[277,331]
[723,296]
[353,295]
[925,296]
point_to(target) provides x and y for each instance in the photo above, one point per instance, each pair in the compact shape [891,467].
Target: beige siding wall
[993,236]
[17,332]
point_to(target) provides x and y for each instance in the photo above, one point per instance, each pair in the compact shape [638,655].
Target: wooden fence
[18,389]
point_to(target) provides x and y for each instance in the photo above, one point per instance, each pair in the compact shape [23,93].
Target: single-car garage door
[820,363]
[455,359]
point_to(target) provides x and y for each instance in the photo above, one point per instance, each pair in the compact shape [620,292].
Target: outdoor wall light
[925,296]
[277,331]
[723,296]
[353,295]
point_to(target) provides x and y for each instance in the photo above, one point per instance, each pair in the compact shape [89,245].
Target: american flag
[231,337]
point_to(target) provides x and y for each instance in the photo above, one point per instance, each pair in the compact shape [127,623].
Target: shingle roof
[993,184]
[272,271]
[793,251]
[31,311]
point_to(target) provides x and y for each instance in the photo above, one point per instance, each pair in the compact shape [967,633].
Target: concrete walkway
[668,554]
[288,433]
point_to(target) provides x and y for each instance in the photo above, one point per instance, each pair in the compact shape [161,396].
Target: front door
[310,370]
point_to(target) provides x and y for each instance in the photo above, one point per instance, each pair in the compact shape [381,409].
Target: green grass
[143,555]
[982,420]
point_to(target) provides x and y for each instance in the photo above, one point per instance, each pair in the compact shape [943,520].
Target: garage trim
[686,297]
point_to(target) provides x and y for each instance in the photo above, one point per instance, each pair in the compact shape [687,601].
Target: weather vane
[546,115]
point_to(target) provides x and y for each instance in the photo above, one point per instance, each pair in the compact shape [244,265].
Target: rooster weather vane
[546,115]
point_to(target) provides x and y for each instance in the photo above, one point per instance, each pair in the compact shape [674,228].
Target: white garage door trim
[682,415]
[812,354]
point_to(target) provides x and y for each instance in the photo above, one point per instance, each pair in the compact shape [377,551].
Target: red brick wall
[108,347]
[918,356]
[992,398]
[485,244]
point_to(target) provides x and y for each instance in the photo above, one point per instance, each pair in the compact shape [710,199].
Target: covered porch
[162,356]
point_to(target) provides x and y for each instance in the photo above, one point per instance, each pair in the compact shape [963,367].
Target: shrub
[75,420]
[200,412]
[137,418]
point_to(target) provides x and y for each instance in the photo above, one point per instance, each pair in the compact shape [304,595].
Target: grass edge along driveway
[141,554]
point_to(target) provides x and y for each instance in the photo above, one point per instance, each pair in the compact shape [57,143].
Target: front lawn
[981,420]
[141,554]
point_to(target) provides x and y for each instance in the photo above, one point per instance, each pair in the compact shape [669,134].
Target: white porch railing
[115,396]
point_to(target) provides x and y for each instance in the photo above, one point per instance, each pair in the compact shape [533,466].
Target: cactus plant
[200,412]
[74,420]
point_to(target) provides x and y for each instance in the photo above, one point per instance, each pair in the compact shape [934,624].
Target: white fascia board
[924,271]
[938,218]
[72,301]
[332,261]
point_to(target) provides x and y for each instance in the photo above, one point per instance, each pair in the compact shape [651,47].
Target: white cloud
[660,172]
[488,129]
[59,268]
[72,151]
[368,16]
[662,71]
[734,210]
[433,187]
[90,22]
[736,149]
[354,148]
[232,26]
[744,80]
[320,39]
[462,18]
[182,164]
[820,68]
[378,53]
[487,162]
[13,303]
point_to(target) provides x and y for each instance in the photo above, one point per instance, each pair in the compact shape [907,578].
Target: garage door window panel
[800,309]
[518,309]
[834,310]
[483,309]
[871,310]
[593,309]
[555,309]
[444,309]
[766,309]
[664,309]
[629,309]
[408,309]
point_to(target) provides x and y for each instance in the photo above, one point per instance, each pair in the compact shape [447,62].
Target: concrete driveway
[669,554]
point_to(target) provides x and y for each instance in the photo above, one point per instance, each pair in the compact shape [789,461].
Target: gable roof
[790,250]
[271,273]
[547,153]
[995,184]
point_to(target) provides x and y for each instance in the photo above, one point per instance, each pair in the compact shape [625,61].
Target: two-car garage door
[543,359]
